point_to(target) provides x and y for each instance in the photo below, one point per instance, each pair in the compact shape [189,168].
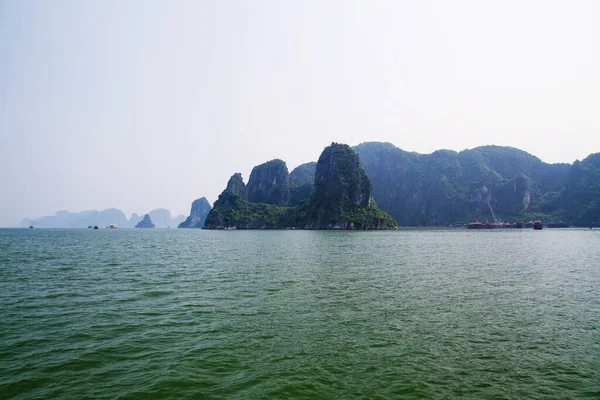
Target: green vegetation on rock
[579,202]
[342,198]
[270,183]
[230,210]
[441,188]
[302,182]
[446,187]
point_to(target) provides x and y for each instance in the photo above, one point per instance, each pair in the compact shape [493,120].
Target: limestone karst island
[340,197]
[378,186]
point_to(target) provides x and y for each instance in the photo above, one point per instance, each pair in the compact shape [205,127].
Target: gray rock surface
[269,183]
[237,186]
[146,222]
[198,213]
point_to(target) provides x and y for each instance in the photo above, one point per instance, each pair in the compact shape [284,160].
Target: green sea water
[177,314]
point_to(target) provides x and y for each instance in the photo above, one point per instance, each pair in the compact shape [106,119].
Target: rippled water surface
[299,314]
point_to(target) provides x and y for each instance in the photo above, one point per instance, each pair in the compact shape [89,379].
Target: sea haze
[299,314]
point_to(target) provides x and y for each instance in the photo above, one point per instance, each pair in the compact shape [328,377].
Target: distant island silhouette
[161,217]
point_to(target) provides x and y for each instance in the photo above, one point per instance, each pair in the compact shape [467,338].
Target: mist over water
[299,314]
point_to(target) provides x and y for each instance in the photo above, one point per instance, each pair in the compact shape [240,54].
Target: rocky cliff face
[198,214]
[269,183]
[302,182]
[579,201]
[146,222]
[447,187]
[341,180]
[237,186]
[231,208]
[304,174]
[343,197]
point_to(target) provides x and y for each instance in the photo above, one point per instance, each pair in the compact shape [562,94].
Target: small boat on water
[484,225]
[537,225]
[494,225]
[112,226]
[95,226]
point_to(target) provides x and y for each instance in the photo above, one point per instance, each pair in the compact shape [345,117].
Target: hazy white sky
[146,104]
